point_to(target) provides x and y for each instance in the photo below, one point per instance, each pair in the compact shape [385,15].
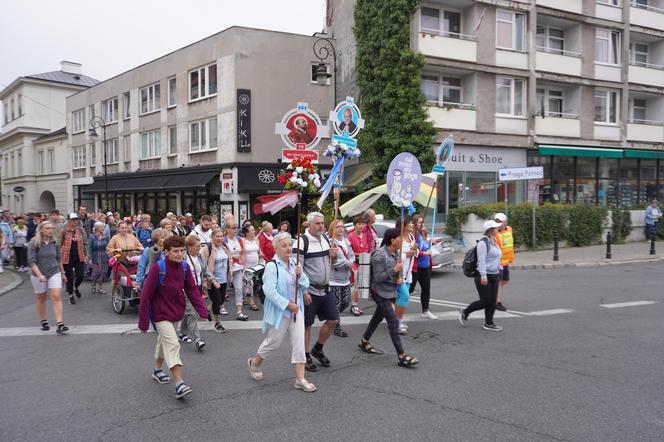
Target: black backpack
[469,265]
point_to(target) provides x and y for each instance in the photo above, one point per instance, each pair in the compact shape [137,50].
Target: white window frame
[126,148]
[79,158]
[153,104]
[112,152]
[608,121]
[440,86]
[172,141]
[93,154]
[13,109]
[19,104]
[633,52]
[78,121]
[547,101]
[203,135]
[51,161]
[633,106]
[40,162]
[441,22]
[608,2]
[6,108]
[610,46]
[203,91]
[126,105]
[512,87]
[548,37]
[513,24]
[109,110]
[172,97]
[153,139]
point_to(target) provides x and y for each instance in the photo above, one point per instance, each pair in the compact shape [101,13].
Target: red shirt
[266,246]
[359,243]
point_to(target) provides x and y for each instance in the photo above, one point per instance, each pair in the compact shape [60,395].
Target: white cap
[490,224]
[500,216]
[73,215]
[188,215]
[109,213]
[169,214]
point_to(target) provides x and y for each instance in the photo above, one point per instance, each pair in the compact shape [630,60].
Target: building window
[638,110]
[6,112]
[550,39]
[638,54]
[126,148]
[606,106]
[608,2]
[431,19]
[510,30]
[79,157]
[150,144]
[442,89]
[51,161]
[203,135]
[510,96]
[109,110]
[172,88]
[607,46]
[203,82]
[126,103]
[78,121]
[550,102]
[40,162]
[172,140]
[93,154]
[150,98]
[112,152]
[91,111]
[12,108]
[19,104]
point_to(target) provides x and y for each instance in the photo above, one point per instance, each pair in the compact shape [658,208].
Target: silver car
[442,253]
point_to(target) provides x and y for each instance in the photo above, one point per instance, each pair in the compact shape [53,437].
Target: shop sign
[485,159]
[244,120]
[521,173]
[288,155]
[227,182]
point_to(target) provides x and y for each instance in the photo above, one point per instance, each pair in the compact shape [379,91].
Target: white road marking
[456,305]
[555,311]
[627,304]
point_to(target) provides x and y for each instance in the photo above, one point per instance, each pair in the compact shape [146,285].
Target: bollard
[652,243]
[608,245]
[555,247]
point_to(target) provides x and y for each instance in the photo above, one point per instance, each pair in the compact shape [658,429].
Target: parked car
[442,253]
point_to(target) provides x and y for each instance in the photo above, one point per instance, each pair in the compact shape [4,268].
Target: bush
[579,225]
[622,225]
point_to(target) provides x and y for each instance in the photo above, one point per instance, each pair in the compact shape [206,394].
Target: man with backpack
[316,254]
[163,304]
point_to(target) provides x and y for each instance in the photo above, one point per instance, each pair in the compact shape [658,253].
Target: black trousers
[21,256]
[384,310]
[217,297]
[70,268]
[488,294]
[423,276]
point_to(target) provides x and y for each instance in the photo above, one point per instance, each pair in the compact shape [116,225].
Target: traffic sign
[288,155]
[521,173]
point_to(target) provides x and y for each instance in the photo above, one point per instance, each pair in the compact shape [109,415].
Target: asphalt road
[565,368]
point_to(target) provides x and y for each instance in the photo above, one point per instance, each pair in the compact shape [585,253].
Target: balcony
[645,130]
[447,45]
[558,61]
[608,72]
[608,11]
[511,58]
[603,131]
[511,125]
[646,15]
[452,116]
[558,125]
[575,6]
[646,73]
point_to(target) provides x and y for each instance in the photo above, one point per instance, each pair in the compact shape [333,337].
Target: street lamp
[323,49]
[97,122]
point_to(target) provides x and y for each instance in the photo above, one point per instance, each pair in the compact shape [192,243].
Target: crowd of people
[312,274]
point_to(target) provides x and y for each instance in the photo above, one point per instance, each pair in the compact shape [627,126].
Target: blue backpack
[162,270]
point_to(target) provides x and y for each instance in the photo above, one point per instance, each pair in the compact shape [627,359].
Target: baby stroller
[125,288]
[254,282]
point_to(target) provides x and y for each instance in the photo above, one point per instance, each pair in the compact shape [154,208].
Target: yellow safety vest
[506,243]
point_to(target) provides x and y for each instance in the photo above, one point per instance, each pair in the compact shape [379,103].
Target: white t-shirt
[251,253]
[235,249]
[408,261]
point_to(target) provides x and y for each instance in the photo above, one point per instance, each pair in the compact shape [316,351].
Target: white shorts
[54,282]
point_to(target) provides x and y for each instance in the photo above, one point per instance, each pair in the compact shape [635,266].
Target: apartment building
[194,130]
[33,154]
[576,86]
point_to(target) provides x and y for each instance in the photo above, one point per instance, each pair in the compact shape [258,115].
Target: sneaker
[93,290]
[428,315]
[223,311]
[305,386]
[242,317]
[324,361]
[310,365]
[186,339]
[255,372]
[340,333]
[403,329]
[492,327]
[501,307]
[463,316]
[219,328]
[181,390]
[200,344]
[72,300]
[77,293]
[62,329]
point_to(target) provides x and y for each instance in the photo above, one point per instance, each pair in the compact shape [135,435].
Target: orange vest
[506,242]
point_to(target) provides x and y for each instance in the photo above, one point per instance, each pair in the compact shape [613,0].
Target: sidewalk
[9,281]
[591,256]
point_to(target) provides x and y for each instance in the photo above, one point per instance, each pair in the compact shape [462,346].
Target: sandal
[255,372]
[407,361]
[160,376]
[253,308]
[101,292]
[355,310]
[186,339]
[366,347]
[305,386]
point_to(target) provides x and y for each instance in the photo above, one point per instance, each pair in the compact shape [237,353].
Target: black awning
[192,180]
[152,183]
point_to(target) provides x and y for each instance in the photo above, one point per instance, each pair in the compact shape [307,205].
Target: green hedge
[580,225]
[622,225]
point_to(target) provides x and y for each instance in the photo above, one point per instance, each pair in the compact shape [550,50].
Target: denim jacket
[276,292]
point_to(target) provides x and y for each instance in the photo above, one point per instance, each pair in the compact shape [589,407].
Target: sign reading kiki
[403,179]
[243,120]
[301,128]
[347,122]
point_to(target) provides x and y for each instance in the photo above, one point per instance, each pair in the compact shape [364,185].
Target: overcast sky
[108,38]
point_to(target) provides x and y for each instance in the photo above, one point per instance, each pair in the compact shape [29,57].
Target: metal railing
[569,116]
[447,104]
[558,51]
[646,65]
[647,7]
[448,34]
[647,122]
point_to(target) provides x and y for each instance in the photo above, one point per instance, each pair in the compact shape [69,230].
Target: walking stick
[297,258]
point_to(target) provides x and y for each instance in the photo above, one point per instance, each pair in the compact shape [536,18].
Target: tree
[388,75]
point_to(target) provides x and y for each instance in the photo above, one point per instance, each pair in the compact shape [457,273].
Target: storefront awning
[193,180]
[153,183]
[644,154]
[571,151]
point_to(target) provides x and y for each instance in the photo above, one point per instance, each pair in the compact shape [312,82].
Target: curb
[561,265]
[12,285]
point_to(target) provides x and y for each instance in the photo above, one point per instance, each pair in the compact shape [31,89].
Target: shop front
[621,178]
